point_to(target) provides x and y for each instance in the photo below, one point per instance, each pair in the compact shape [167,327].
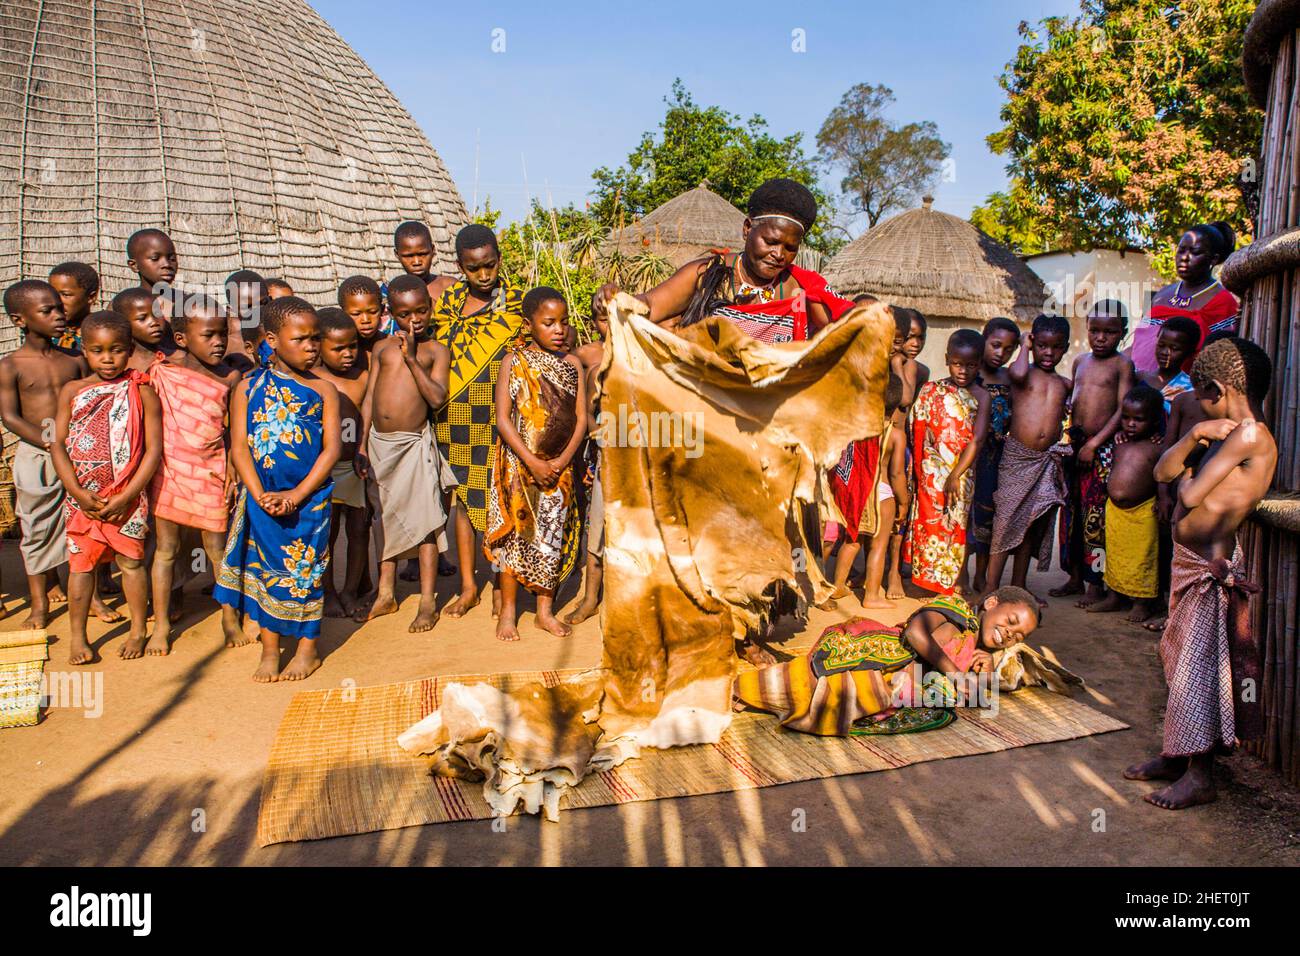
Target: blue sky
[577,83]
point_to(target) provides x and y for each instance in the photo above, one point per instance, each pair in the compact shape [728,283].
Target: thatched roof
[248,129]
[684,228]
[1271,21]
[928,260]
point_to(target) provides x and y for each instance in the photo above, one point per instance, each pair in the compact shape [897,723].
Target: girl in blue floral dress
[284,436]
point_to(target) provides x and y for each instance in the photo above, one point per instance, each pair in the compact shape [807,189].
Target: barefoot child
[338,352]
[861,674]
[1101,379]
[78,286]
[408,382]
[284,441]
[1209,655]
[31,379]
[1031,479]
[949,424]
[107,446]
[192,488]
[912,327]
[477,319]
[541,420]
[893,499]
[1001,339]
[591,355]
[1132,526]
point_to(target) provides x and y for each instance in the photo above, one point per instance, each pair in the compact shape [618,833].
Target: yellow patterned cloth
[465,429]
[1133,549]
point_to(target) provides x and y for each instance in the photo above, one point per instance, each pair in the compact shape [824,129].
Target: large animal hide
[698,526]
[712,445]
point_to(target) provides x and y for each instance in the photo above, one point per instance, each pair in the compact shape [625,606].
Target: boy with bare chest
[408,382]
[1210,658]
[1101,379]
[31,378]
[1031,480]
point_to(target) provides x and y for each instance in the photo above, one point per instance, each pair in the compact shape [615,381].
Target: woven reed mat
[336,769]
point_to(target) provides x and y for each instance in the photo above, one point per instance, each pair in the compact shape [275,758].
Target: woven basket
[22,665]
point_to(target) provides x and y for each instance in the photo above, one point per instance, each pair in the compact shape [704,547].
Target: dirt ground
[169,771]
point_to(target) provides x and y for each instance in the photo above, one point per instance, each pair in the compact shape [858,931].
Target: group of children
[257,427]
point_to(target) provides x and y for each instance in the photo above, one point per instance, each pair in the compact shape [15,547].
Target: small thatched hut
[942,265]
[684,228]
[1267,275]
[248,129]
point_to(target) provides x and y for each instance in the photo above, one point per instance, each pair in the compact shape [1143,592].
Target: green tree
[886,167]
[694,143]
[1125,125]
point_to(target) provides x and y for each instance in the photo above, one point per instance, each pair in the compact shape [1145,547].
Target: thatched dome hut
[684,228]
[248,129]
[1266,275]
[942,265]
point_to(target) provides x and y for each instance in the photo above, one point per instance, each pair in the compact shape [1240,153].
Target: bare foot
[877,604]
[383,604]
[1087,601]
[80,652]
[268,668]
[132,648]
[445,568]
[1065,590]
[1190,790]
[894,590]
[1156,624]
[496,604]
[38,619]
[235,636]
[830,604]
[303,665]
[464,603]
[1157,768]
[1111,602]
[1139,614]
[334,605]
[107,585]
[426,617]
[55,594]
[554,625]
[506,630]
[581,613]
[159,645]
[411,572]
[102,611]
[756,654]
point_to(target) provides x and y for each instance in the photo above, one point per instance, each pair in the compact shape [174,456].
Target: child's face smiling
[1005,624]
[206,337]
[1048,349]
[1173,350]
[338,350]
[146,328]
[365,310]
[550,325]
[415,253]
[76,301]
[964,365]
[107,351]
[1135,420]
[1104,334]
[297,344]
[410,310]
[999,347]
[915,340]
[42,313]
[155,260]
[480,267]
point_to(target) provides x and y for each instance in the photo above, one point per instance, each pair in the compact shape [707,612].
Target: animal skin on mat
[712,444]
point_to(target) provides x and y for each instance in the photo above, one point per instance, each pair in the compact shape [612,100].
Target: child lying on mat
[862,669]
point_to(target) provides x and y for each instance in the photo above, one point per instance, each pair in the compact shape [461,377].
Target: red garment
[786,320]
[853,481]
[1219,314]
[943,423]
[106,444]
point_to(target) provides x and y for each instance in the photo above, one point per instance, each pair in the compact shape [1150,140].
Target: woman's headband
[777,215]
